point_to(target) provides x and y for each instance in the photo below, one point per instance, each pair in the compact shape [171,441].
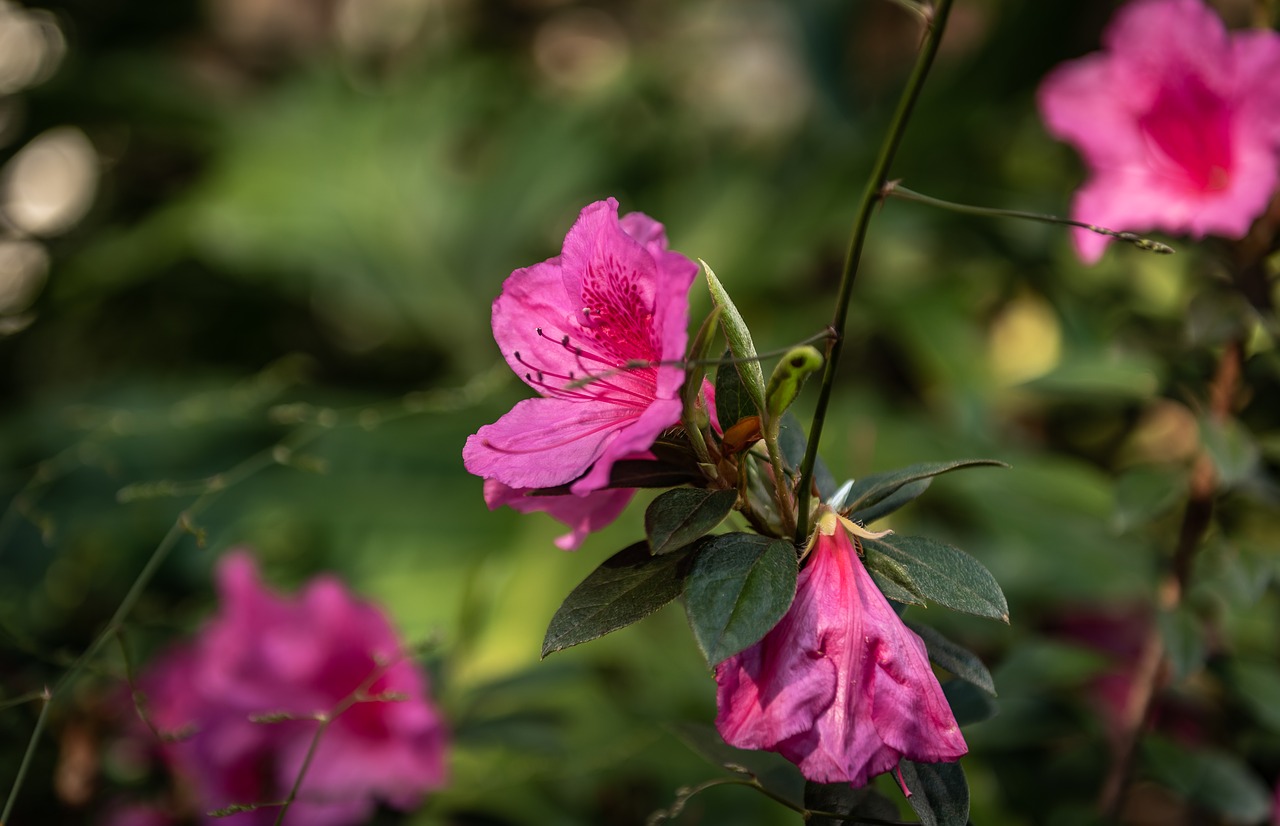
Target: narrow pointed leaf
[902,496]
[892,570]
[945,574]
[939,792]
[954,657]
[898,596]
[682,516]
[626,588]
[739,338]
[969,704]
[699,352]
[872,489]
[739,587]
[865,805]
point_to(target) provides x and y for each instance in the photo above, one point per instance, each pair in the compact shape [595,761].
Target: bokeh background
[221,219]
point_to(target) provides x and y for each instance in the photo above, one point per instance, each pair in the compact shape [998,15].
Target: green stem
[27,757]
[897,190]
[870,197]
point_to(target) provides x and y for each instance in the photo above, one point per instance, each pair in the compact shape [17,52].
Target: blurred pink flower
[1178,122]
[613,297]
[840,686]
[266,654]
[582,514]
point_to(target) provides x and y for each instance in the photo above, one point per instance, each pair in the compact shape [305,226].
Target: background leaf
[955,658]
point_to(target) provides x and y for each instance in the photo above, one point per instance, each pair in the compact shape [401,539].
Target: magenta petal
[583,514]
[1177,120]
[840,686]
[263,653]
[599,331]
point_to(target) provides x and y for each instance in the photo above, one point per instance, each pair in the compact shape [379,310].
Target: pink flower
[264,654]
[583,514]
[840,686]
[1177,120]
[614,297]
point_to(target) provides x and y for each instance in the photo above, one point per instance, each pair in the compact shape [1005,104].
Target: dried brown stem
[1152,662]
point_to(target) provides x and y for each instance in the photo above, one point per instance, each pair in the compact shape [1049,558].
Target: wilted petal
[840,686]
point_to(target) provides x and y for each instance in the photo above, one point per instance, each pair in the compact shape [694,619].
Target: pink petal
[583,514]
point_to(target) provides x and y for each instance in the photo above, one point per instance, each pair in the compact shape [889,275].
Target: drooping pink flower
[840,686]
[1178,122]
[613,299]
[582,514]
[264,654]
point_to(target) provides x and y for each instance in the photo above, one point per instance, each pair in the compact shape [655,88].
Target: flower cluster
[836,683]
[1178,122]
[239,705]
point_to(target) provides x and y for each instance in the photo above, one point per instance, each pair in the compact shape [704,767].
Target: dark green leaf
[739,587]
[897,595]
[680,517]
[792,442]
[732,402]
[902,496]
[879,486]
[626,588]
[775,772]
[1231,446]
[642,473]
[955,658]
[1258,684]
[969,703]
[883,567]
[1184,640]
[939,792]
[945,574]
[1212,780]
[847,802]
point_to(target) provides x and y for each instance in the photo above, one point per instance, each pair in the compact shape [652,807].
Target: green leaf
[626,588]
[1258,685]
[939,792]
[740,343]
[890,569]
[1219,782]
[1184,640]
[954,657]
[774,772]
[1143,494]
[739,587]
[902,496]
[945,574]
[850,804]
[1231,446]
[699,352]
[969,703]
[732,402]
[879,486]
[792,442]
[682,516]
[894,592]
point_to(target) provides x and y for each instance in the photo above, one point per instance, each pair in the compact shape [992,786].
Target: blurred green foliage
[313,204]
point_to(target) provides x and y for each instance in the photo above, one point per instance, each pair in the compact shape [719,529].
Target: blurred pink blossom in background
[1178,122]
[265,654]
[840,686]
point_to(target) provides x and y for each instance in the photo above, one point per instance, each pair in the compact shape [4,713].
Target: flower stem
[897,190]
[870,197]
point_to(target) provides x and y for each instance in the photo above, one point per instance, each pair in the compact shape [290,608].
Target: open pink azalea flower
[1177,120]
[264,654]
[840,686]
[611,305]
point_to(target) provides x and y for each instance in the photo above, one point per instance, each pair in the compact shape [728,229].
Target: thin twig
[1152,660]
[870,197]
